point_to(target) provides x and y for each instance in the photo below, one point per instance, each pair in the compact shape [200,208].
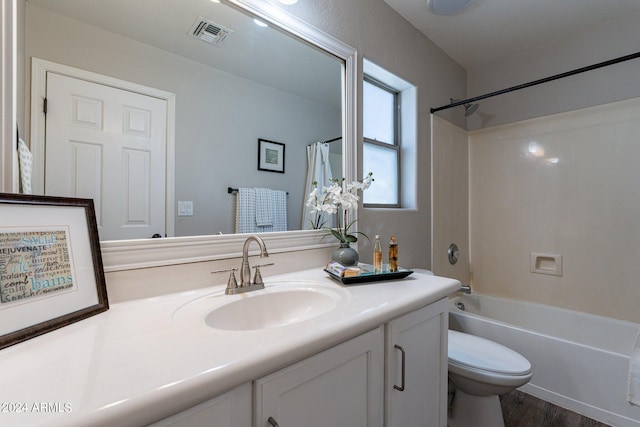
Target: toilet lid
[480,353]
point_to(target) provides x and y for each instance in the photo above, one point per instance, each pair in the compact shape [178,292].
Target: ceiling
[488,30]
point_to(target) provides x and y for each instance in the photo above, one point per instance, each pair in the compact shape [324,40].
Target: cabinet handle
[272,422]
[399,347]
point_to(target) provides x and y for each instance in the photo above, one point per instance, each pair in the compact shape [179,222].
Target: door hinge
[44,106]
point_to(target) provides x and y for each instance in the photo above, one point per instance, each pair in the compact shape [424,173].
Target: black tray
[368,275]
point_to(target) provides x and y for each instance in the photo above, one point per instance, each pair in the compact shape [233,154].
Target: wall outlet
[185,208]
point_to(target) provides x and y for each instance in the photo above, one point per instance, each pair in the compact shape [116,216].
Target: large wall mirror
[238,82]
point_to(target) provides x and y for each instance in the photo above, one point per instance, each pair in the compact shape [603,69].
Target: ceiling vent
[209,32]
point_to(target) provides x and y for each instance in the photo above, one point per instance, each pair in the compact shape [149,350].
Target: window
[381,145]
[390,133]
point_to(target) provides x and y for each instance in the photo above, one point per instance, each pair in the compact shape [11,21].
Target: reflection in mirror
[234,83]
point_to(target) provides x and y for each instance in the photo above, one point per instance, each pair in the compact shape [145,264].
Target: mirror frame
[120,255]
[8,102]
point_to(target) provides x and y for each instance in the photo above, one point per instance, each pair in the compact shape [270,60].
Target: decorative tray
[366,274]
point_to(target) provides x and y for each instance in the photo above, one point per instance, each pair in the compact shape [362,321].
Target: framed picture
[270,156]
[51,271]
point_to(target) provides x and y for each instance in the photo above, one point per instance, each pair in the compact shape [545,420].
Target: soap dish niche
[542,263]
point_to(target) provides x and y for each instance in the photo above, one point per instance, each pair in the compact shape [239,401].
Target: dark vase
[345,255]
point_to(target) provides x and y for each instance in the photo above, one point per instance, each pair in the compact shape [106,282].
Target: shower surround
[562,185]
[566,184]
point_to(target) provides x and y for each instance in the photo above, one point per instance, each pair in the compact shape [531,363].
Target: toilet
[480,370]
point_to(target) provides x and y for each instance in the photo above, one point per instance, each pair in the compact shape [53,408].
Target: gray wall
[385,38]
[596,44]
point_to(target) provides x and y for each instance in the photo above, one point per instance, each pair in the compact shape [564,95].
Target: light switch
[185,208]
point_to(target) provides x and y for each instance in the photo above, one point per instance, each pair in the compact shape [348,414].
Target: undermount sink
[264,310]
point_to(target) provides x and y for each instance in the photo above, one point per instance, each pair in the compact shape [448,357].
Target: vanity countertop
[146,359]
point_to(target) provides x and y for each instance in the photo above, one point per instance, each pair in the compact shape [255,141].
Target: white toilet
[481,370]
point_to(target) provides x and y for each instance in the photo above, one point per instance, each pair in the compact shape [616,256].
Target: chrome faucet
[465,289]
[245,270]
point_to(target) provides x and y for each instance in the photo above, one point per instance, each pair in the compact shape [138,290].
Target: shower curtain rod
[540,81]
[329,140]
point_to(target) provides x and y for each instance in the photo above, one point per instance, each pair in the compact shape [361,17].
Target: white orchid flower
[338,198]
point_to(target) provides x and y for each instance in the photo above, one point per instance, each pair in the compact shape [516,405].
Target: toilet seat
[481,370]
[481,355]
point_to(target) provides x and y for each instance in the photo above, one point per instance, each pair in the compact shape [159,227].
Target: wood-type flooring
[522,410]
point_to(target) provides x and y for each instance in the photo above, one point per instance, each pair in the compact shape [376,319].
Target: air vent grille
[209,32]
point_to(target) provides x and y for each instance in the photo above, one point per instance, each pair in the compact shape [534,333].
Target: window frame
[396,141]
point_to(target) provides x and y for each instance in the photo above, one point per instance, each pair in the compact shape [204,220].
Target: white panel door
[107,144]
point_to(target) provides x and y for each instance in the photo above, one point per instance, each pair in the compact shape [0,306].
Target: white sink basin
[273,307]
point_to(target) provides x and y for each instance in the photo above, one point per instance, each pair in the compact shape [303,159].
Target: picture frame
[270,156]
[51,272]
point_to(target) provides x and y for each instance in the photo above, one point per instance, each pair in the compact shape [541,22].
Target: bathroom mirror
[212,188]
[235,82]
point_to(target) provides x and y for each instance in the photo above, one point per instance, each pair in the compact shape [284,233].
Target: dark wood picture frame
[270,156]
[51,272]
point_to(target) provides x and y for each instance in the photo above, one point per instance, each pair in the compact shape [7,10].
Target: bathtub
[580,361]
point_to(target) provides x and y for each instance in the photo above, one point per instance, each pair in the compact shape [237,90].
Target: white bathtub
[580,361]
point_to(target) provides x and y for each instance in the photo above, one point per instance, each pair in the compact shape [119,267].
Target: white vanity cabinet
[392,376]
[341,368]
[232,409]
[416,375]
[342,386]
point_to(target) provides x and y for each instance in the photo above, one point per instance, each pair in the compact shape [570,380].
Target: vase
[345,255]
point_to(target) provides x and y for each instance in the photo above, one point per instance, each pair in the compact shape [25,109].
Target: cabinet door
[416,376]
[232,409]
[342,386]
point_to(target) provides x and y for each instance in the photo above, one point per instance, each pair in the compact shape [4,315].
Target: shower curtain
[318,170]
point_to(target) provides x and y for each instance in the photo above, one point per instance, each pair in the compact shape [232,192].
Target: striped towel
[279,203]
[264,209]
[246,212]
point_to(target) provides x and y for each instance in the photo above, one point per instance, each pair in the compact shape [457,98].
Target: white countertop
[146,359]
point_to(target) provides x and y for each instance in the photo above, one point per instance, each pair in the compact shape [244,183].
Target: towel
[279,203]
[263,207]
[25,162]
[246,212]
[633,393]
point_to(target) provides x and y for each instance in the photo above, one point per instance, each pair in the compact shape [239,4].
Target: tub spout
[466,289]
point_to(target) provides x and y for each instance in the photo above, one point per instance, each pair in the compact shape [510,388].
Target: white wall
[219,117]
